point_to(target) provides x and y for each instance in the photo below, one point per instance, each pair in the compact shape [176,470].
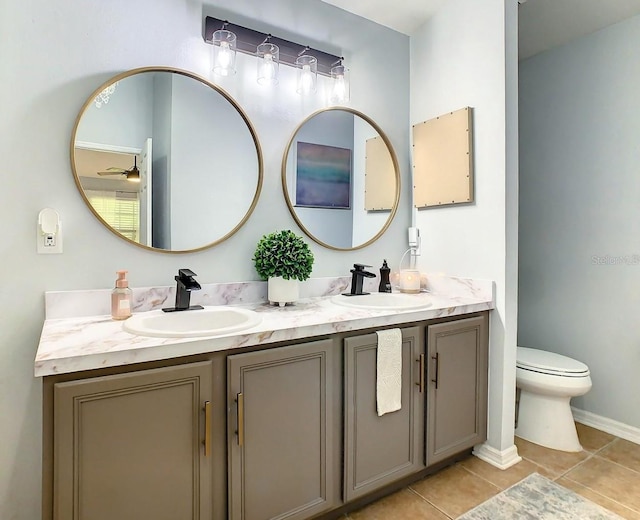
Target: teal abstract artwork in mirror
[166,160]
[323,176]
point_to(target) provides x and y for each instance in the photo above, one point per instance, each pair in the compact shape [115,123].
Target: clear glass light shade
[268,63]
[224,53]
[307,74]
[339,85]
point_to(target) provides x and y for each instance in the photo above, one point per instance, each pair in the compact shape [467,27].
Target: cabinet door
[380,450]
[457,386]
[130,446]
[279,432]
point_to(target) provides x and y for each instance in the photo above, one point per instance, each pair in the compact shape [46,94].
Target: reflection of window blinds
[120,209]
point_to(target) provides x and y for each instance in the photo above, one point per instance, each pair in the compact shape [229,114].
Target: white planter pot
[282,291]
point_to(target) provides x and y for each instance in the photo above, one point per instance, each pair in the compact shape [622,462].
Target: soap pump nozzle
[385,283]
[122,281]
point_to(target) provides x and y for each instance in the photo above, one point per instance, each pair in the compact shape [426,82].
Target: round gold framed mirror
[341,179]
[166,160]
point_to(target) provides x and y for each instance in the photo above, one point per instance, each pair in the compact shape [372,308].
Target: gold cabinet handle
[207,428]
[420,382]
[240,431]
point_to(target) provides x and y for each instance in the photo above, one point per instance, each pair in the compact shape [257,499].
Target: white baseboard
[500,459]
[624,431]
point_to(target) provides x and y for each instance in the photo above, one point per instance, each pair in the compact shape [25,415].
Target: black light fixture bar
[247,40]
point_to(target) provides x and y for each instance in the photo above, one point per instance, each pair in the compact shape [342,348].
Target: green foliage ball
[283,253]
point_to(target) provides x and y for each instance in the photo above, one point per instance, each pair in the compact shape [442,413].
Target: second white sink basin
[384,301]
[210,321]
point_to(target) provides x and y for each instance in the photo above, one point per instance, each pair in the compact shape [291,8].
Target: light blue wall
[331,226]
[214,165]
[366,224]
[53,55]
[579,212]
[466,55]
[126,120]
[161,166]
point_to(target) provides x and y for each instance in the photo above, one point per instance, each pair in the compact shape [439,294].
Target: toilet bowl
[546,383]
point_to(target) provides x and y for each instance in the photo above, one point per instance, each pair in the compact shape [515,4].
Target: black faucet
[358,274]
[185,284]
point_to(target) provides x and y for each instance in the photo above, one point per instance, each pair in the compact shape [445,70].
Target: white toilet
[546,383]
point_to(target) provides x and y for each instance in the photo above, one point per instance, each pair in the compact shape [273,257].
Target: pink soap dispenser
[121,298]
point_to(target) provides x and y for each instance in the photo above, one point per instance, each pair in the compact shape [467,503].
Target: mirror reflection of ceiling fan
[132,174]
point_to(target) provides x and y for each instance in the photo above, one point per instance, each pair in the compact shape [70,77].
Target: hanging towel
[389,371]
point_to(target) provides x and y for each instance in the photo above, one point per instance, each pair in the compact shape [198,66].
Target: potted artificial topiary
[284,259]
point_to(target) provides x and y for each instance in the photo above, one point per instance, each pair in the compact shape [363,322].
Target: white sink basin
[384,301]
[210,321]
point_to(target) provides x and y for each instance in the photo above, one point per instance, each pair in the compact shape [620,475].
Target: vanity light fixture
[340,84]
[224,51]
[307,66]
[268,62]
[272,51]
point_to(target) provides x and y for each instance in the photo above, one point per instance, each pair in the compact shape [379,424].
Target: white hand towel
[389,371]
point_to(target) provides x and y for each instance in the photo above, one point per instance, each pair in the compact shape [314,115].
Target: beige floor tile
[623,452]
[554,461]
[455,490]
[609,479]
[507,477]
[591,439]
[403,505]
[605,502]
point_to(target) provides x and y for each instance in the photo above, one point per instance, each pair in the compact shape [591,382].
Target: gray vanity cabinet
[131,446]
[381,449]
[457,386]
[288,432]
[281,405]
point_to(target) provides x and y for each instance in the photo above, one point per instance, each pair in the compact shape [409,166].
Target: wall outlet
[49,243]
[49,232]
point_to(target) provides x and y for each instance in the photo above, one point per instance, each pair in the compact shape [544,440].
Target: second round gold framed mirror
[341,179]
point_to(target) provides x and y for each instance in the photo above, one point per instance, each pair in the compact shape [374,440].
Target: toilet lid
[549,363]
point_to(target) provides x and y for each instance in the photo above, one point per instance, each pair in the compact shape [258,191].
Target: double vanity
[275,418]
[242,410]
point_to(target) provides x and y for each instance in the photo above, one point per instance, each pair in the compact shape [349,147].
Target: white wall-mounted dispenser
[414,241]
[49,232]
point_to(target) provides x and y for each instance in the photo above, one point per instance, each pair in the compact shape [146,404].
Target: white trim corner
[500,459]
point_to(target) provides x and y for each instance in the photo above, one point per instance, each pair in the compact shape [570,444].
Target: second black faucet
[185,283]
[358,274]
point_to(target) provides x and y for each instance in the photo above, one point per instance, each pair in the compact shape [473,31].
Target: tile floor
[606,472]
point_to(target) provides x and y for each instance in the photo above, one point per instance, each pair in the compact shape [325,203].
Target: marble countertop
[72,344]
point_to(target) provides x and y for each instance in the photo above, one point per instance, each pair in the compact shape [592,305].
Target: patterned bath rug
[538,498]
